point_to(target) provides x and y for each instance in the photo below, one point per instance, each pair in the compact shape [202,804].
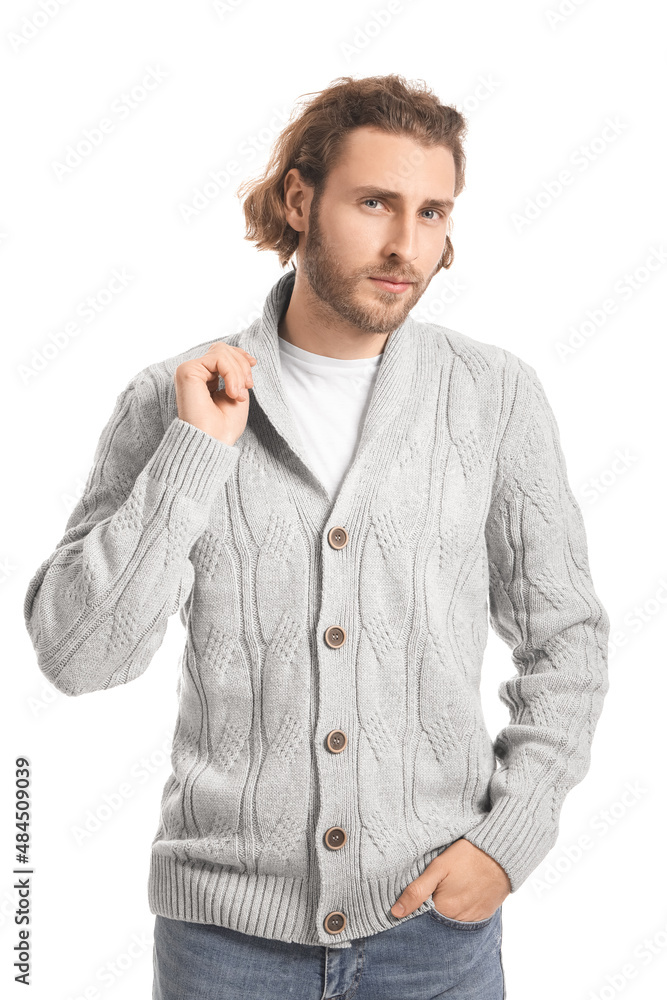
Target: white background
[538,89]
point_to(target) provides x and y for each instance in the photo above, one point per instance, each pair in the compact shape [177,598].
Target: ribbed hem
[272,906]
[514,838]
[191,460]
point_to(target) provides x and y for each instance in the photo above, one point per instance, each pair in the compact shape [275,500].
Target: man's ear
[297,197]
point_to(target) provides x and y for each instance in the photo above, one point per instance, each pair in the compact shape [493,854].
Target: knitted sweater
[330,740]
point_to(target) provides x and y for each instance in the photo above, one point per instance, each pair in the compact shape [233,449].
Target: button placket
[335,837]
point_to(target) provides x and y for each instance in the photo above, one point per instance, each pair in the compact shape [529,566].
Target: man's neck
[312,325]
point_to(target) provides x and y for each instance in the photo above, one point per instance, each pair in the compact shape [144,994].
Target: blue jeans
[423,958]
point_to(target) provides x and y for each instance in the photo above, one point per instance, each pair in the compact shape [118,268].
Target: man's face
[379,216]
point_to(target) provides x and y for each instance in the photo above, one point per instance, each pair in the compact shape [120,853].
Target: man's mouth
[392,284]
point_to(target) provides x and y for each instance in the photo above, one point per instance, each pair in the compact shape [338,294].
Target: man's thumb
[415,893]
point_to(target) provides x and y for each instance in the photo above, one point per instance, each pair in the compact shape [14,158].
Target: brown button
[335,838]
[334,922]
[338,538]
[336,741]
[334,636]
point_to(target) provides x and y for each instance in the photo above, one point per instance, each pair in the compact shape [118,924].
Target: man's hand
[466,884]
[223,413]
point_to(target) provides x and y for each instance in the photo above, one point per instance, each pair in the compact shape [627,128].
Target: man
[334,500]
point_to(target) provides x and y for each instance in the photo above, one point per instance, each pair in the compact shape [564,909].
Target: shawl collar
[388,393]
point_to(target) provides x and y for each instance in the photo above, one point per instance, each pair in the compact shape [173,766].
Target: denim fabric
[426,957]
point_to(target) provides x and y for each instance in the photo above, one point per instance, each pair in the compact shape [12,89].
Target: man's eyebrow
[369,189]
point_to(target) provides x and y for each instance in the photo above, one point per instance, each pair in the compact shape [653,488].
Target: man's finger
[415,893]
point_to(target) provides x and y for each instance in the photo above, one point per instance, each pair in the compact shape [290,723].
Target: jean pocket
[467,925]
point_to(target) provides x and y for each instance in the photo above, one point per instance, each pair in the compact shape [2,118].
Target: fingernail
[398,909]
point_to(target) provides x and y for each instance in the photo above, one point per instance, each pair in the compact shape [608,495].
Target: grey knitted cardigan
[457,510]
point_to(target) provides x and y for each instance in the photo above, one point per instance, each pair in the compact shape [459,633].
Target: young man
[335,521]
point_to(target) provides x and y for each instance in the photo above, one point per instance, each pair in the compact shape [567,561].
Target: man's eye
[436,213]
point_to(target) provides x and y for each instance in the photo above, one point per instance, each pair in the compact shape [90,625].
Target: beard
[336,286]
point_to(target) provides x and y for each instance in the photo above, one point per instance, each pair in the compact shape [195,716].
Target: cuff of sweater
[192,461]
[513,837]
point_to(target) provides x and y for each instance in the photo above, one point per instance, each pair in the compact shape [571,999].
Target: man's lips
[392,284]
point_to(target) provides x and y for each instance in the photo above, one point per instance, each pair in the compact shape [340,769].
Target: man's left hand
[466,884]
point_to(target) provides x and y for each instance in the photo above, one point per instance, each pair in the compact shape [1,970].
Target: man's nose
[403,240]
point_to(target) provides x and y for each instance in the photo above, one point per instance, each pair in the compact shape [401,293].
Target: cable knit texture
[458,511]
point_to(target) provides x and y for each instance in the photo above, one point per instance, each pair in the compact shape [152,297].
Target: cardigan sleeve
[542,603]
[97,608]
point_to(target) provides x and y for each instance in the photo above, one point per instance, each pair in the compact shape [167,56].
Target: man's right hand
[223,413]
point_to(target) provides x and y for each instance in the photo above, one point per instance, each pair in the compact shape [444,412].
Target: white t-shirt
[328,398]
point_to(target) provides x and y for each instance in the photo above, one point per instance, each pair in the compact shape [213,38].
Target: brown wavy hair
[313,139]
